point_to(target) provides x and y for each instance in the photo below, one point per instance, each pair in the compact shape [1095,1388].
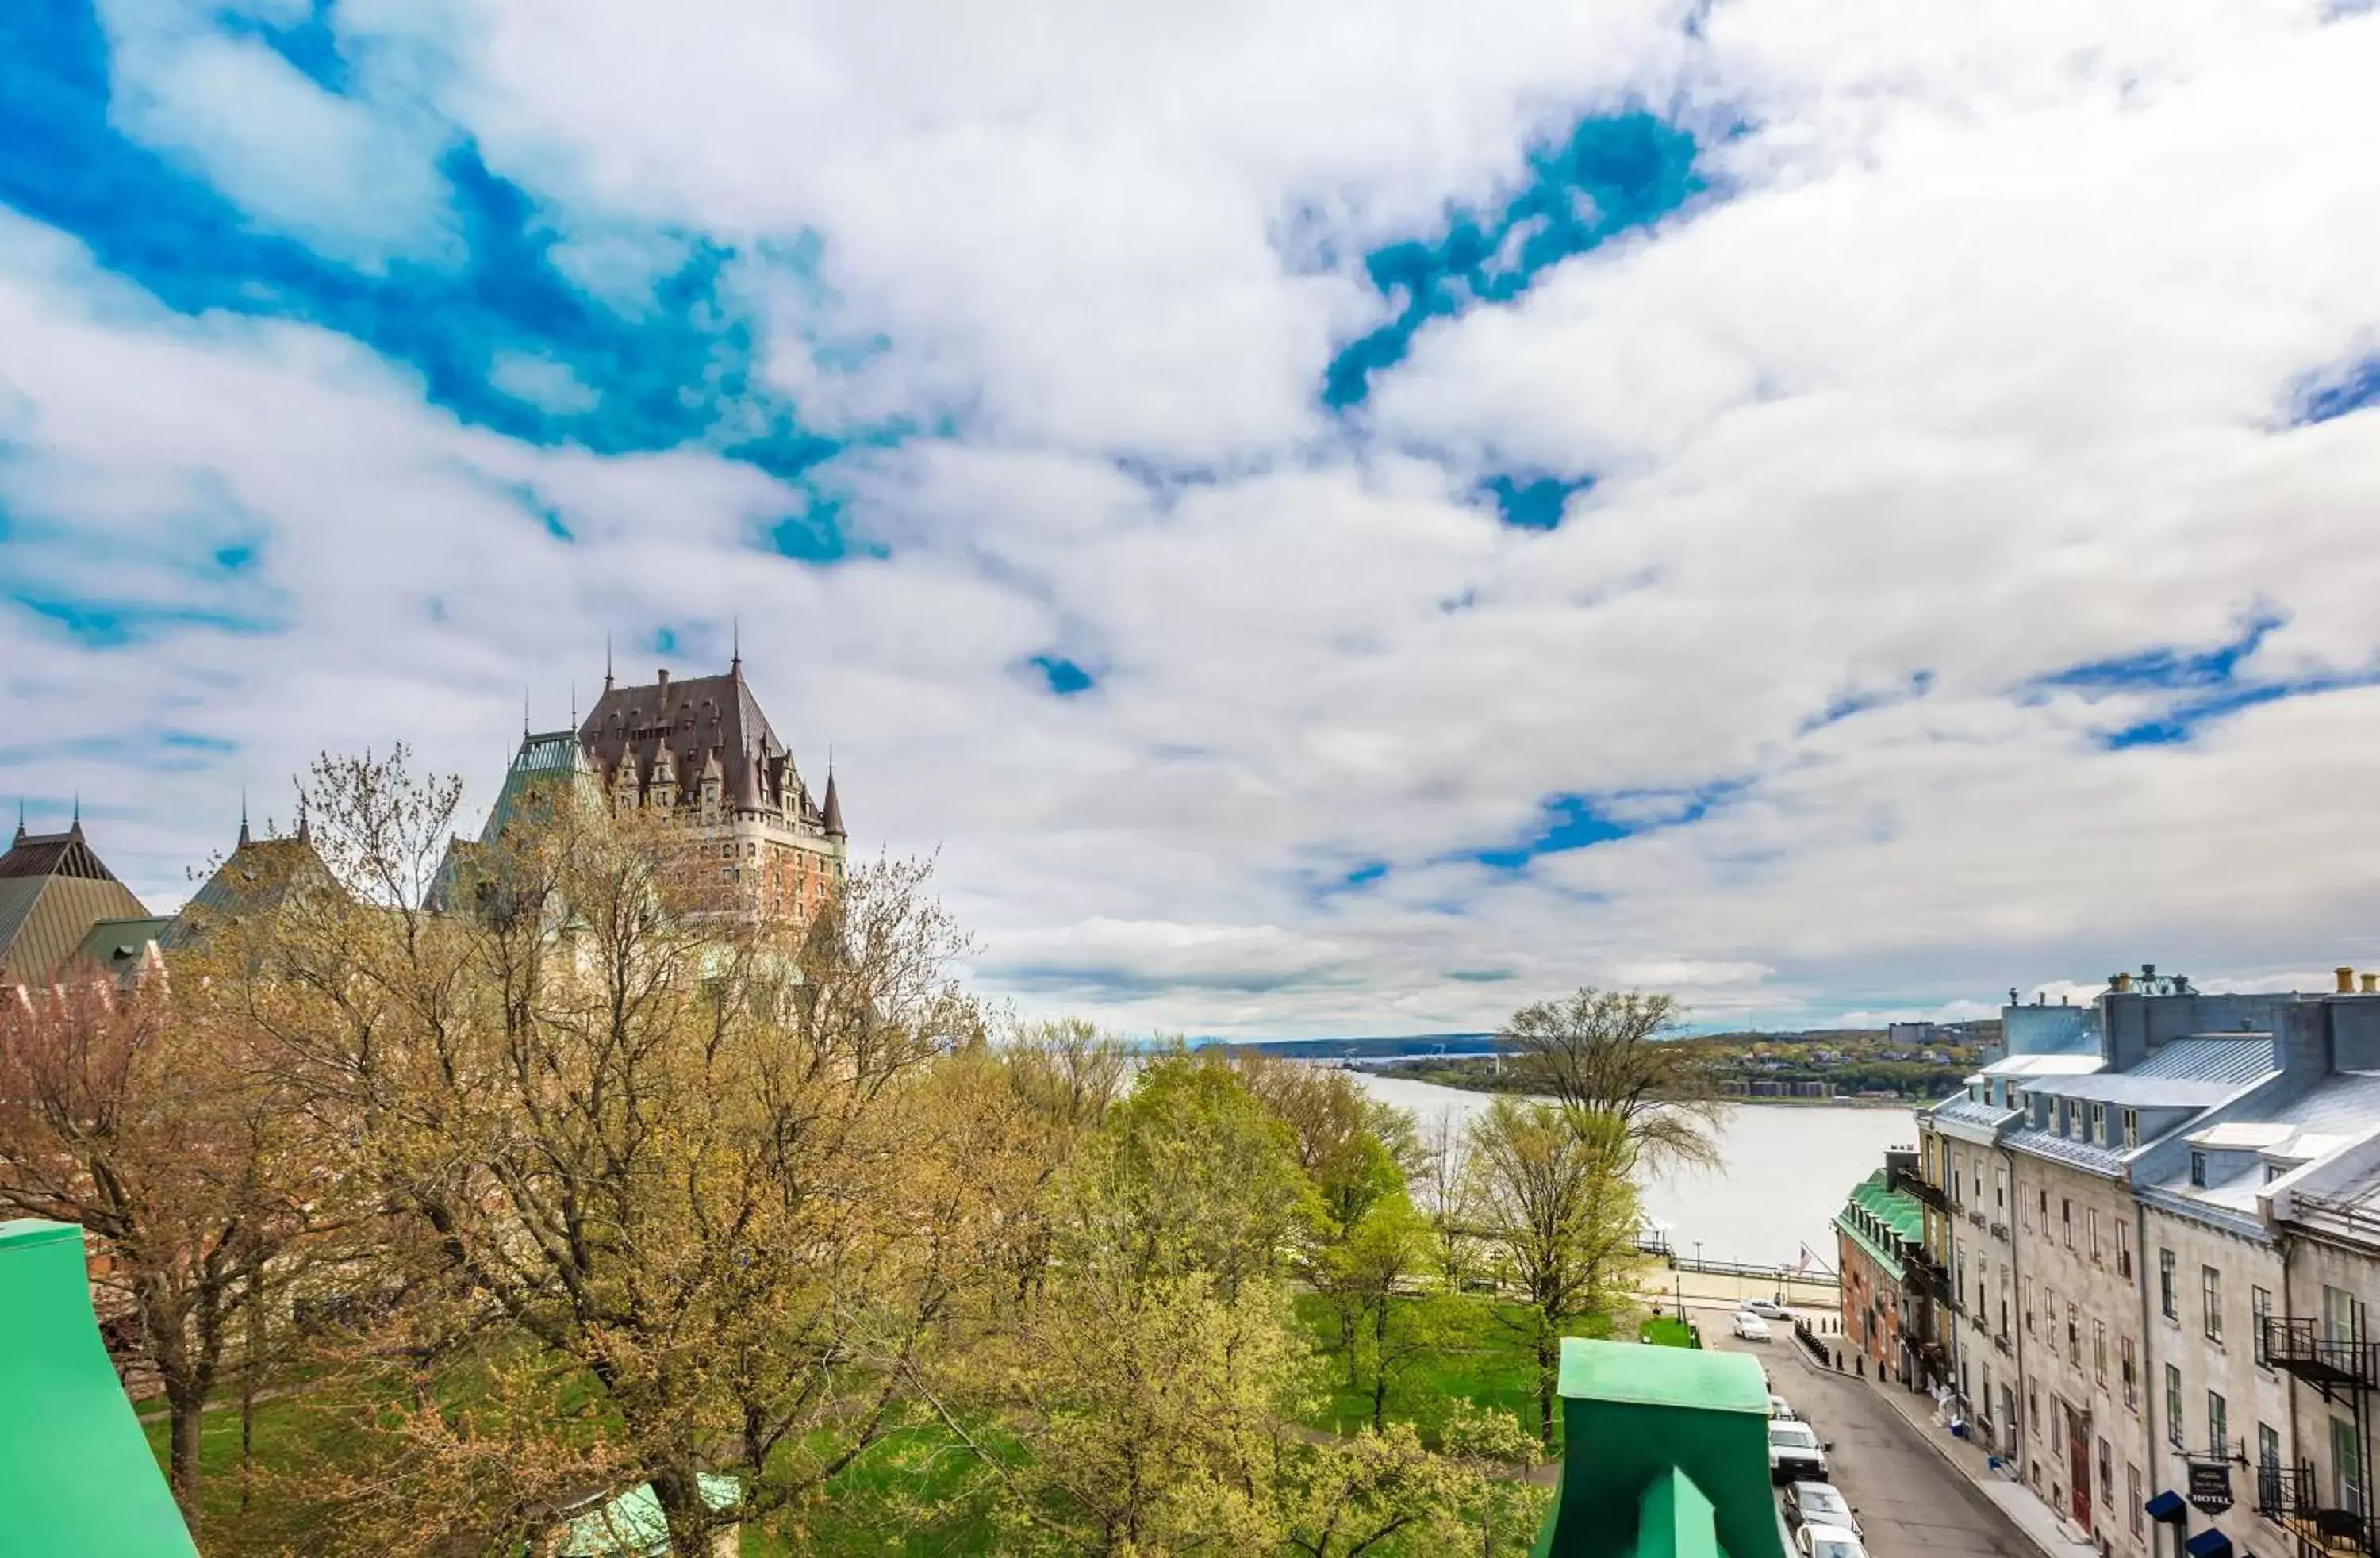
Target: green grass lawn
[1665,1331]
[1481,1356]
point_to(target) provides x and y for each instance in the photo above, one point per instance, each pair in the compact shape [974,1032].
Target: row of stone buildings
[701,748]
[2137,1254]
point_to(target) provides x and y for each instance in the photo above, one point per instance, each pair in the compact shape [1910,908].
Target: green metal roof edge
[1858,1235]
[1682,1377]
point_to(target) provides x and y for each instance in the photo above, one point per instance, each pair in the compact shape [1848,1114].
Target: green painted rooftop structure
[76,1473]
[1667,1455]
[1880,1220]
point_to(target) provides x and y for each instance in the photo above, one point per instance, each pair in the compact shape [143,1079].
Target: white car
[1780,1409]
[1828,1541]
[1821,1504]
[1765,1308]
[1750,1327]
[1795,1455]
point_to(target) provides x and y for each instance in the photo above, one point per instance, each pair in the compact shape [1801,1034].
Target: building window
[2268,1466]
[2099,1351]
[2131,1376]
[2346,1466]
[2028,1306]
[2173,1429]
[2210,1293]
[2132,1127]
[2066,1217]
[2033,1410]
[2218,1422]
[2095,1236]
[2123,1249]
[1999,1189]
[2342,1315]
[2260,1304]
[2133,1500]
[2074,1336]
[2197,1170]
[2107,1477]
[2167,1304]
[2100,1134]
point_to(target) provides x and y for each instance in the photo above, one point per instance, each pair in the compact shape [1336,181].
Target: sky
[1335,518]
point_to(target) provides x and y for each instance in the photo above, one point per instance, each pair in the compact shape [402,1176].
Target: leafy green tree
[1551,1190]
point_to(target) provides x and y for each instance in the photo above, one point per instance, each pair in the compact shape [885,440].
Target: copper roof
[679,733]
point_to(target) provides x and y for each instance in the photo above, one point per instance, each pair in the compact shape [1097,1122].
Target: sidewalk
[2016,1501]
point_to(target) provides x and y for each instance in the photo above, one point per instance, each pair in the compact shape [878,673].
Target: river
[1786,1170]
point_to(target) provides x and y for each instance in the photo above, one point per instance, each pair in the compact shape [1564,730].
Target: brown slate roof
[677,732]
[52,890]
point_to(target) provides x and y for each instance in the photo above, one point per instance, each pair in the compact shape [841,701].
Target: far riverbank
[1479,1074]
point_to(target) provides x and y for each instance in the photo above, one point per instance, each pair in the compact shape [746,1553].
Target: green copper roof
[1663,1376]
[76,1473]
[632,1526]
[1879,1220]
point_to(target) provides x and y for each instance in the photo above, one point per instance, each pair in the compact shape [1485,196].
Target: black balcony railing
[1915,1184]
[2297,1500]
[2306,1350]
[1926,1275]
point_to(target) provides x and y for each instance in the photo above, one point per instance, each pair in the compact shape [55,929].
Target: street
[1913,1503]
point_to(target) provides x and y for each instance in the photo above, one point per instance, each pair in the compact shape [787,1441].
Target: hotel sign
[2210,1486]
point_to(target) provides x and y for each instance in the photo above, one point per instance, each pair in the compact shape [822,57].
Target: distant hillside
[1844,1063]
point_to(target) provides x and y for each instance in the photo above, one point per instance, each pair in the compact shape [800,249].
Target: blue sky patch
[1532,502]
[2166,667]
[1063,677]
[2330,396]
[1565,822]
[107,625]
[1616,173]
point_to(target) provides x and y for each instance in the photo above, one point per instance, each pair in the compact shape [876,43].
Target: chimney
[2120,983]
[663,676]
[2370,985]
[2346,980]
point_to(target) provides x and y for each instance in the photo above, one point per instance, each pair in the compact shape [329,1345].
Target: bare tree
[1605,1054]
[661,1180]
[124,1114]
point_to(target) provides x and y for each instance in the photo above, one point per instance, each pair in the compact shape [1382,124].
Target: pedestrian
[1838,1360]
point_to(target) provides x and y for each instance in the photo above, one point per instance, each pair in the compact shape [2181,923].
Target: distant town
[1902,1062]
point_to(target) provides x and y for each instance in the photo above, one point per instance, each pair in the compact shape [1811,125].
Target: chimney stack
[2370,985]
[2346,980]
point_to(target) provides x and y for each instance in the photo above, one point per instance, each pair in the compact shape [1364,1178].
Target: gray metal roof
[1967,1111]
[2136,1091]
[2066,1150]
[2240,1058]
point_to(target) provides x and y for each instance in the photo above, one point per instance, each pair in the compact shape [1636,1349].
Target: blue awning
[2209,1544]
[2167,1506]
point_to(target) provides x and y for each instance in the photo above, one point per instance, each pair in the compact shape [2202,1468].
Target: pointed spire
[574,704]
[305,835]
[833,808]
[735,638]
[20,819]
[524,713]
[607,662]
[73,829]
[243,817]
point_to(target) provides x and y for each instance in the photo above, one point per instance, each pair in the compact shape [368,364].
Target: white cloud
[353,177]
[1970,371]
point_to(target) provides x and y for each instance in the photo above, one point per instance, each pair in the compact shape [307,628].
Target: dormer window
[2099,1123]
[2197,1170]
[2132,1127]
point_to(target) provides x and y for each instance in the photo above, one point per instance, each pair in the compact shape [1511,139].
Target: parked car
[1782,1409]
[1765,1308]
[1828,1541]
[1795,1455]
[1750,1328]
[1820,1503]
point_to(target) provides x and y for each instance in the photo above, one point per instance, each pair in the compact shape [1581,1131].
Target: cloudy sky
[1341,516]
